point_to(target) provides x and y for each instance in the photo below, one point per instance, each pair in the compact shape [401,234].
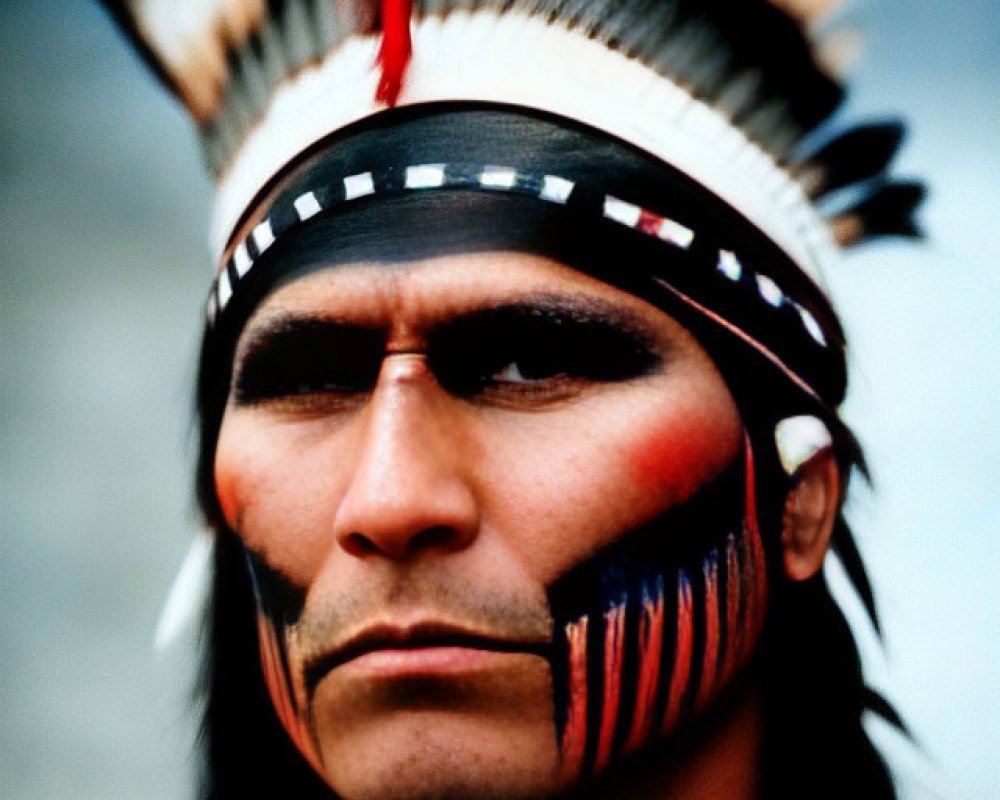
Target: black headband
[440,179]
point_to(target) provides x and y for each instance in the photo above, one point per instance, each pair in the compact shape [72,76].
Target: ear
[810,512]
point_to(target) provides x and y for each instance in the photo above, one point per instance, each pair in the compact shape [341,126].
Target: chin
[442,755]
[484,735]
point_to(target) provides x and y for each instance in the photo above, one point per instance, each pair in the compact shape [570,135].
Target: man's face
[422,451]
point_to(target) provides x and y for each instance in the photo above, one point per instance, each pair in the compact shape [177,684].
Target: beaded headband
[760,288]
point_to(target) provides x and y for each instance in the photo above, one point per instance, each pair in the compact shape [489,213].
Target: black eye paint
[544,339]
[306,355]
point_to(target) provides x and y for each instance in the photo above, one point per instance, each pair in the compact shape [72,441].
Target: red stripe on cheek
[734,608]
[276,679]
[614,643]
[710,659]
[650,646]
[273,674]
[574,738]
[682,657]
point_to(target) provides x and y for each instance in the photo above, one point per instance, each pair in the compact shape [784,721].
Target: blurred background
[103,272]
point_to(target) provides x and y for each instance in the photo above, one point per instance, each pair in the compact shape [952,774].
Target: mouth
[423,649]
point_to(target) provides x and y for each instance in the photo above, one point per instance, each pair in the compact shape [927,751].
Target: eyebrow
[580,309]
[295,335]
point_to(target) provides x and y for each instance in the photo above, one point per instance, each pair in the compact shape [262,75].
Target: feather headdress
[726,91]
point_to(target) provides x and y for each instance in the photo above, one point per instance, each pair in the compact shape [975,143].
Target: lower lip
[426,661]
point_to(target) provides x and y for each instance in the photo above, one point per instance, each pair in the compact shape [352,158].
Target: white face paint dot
[729,265]
[424,176]
[769,291]
[620,211]
[358,185]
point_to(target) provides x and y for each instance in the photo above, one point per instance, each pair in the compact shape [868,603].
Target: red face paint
[678,460]
[614,647]
[710,656]
[682,660]
[650,647]
[276,678]
[225,493]
[574,738]
[735,604]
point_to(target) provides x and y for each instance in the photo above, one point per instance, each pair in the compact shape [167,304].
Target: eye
[512,374]
[307,364]
[532,355]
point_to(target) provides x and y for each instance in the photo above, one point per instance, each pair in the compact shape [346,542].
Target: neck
[719,759]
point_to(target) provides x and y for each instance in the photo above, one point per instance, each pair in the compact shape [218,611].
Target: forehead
[416,296]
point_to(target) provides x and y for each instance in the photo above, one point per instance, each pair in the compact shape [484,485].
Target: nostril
[430,537]
[357,544]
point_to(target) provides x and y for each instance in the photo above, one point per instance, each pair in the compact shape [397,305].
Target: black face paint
[279,605]
[649,631]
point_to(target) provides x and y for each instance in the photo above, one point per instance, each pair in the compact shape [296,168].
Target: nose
[409,491]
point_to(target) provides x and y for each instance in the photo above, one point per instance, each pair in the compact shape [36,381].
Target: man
[518,399]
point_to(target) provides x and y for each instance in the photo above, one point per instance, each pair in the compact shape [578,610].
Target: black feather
[889,210]
[857,155]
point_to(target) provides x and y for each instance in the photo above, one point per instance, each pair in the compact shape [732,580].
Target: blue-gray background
[103,209]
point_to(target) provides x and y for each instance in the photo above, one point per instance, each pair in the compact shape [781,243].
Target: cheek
[275,491]
[226,492]
[563,486]
[674,457]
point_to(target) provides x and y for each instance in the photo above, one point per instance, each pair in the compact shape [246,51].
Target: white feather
[188,593]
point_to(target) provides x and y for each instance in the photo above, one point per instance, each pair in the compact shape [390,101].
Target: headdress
[734,97]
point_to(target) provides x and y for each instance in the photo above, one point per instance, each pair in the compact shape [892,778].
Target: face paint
[278,604]
[649,632]
[645,635]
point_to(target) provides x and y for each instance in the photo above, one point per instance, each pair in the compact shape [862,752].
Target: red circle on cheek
[685,453]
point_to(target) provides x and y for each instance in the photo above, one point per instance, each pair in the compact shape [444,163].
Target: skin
[403,507]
